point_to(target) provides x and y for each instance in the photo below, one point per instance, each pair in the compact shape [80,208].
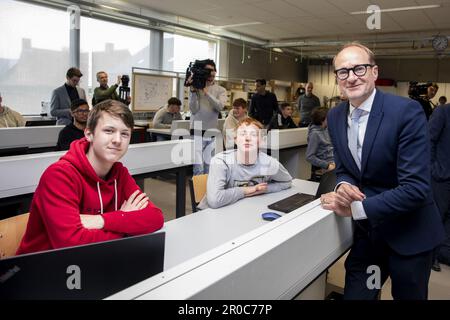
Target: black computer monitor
[93,271]
[36,123]
[6,152]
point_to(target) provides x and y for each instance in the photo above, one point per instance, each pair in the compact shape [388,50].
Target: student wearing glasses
[382,155]
[74,131]
[245,171]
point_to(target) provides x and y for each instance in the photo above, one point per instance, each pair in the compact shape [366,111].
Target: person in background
[263,104]
[104,92]
[382,152]
[88,196]
[10,118]
[426,102]
[439,125]
[319,151]
[442,100]
[238,113]
[283,118]
[306,104]
[62,97]
[74,131]
[245,171]
[205,105]
[165,115]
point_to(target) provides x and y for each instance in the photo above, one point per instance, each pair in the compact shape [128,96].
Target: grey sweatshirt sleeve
[194,103]
[311,151]
[218,102]
[216,192]
[280,180]
[157,124]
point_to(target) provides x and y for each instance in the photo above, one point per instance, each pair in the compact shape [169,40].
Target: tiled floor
[162,193]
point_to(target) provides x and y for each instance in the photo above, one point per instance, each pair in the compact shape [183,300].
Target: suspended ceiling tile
[351,5]
[318,8]
[281,8]
[411,20]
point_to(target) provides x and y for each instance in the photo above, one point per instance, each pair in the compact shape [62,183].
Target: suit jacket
[60,104]
[395,172]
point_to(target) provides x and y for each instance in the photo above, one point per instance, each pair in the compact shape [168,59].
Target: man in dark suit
[62,97]
[382,155]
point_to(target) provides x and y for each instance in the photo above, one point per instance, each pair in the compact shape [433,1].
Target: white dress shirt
[357,208]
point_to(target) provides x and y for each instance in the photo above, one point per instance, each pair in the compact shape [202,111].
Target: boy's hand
[135,202]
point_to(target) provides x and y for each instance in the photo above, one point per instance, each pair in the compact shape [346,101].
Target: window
[113,48]
[34,54]
[180,50]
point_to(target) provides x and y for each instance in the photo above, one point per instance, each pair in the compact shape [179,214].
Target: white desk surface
[32,137]
[141,123]
[160,131]
[287,138]
[216,253]
[21,174]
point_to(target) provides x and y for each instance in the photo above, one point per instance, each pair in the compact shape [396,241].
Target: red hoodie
[71,187]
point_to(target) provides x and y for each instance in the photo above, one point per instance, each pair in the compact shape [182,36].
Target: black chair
[316,173]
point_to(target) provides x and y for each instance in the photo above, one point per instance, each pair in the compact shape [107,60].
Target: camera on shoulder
[199,73]
[417,91]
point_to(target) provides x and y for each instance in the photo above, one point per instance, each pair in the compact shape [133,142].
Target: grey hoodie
[227,178]
[320,150]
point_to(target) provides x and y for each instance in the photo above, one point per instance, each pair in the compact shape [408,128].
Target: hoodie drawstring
[115,193]
[100,195]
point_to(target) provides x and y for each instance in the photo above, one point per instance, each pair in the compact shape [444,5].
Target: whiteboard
[151,92]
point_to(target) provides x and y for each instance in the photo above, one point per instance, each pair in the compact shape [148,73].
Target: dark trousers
[441,192]
[409,274]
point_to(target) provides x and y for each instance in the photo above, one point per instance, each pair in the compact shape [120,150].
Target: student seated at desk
[88,196]
[245,171]
[79,110]
[10,118]
[283,119]
[238,113]
[165,115]
[320,149]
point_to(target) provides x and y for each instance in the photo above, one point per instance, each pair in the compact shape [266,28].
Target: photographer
[206,100]
[423,94]
[104,92]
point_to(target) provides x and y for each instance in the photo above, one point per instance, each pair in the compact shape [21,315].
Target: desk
[161,131]
[31,137]
[225,253]
[289,147]
[21,174]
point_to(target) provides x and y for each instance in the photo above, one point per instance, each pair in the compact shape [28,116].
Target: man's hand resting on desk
[255,190]
[331,201]
[347,193]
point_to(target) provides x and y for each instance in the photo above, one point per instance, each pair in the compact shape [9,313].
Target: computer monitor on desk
[93,271]
[36,123]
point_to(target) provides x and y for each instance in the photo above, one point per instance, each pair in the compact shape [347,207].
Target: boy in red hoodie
[88,196]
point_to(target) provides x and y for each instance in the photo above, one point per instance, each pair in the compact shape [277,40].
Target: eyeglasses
[358,70]
[81,111]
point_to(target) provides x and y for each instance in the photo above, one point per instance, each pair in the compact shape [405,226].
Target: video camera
[199,74]
[124,89]
[417,91]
